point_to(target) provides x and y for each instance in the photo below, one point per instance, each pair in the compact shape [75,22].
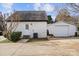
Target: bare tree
[12,25]
[1,22]
[74,7]
[63,14]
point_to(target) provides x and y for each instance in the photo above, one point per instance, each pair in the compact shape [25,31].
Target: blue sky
[50,8]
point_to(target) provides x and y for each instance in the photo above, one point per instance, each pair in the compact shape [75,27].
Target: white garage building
[61,29]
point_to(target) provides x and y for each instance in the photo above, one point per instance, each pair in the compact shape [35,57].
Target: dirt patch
[69,47]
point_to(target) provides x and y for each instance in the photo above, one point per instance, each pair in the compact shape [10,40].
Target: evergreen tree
[49,19]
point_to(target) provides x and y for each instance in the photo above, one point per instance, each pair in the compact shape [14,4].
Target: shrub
[15,36]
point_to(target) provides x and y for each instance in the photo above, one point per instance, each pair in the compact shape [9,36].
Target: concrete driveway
[41,48]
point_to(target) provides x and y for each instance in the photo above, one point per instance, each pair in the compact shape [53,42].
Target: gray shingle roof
[30,16]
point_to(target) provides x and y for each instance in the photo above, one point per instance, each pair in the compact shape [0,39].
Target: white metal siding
[34,27]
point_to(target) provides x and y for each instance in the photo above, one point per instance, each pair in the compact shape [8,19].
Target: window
[27,26]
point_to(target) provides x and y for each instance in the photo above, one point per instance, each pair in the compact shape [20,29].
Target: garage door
[61,30]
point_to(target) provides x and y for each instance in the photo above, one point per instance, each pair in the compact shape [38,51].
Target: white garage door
[61,30]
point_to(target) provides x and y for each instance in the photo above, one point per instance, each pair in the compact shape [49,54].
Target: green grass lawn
[6,41]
